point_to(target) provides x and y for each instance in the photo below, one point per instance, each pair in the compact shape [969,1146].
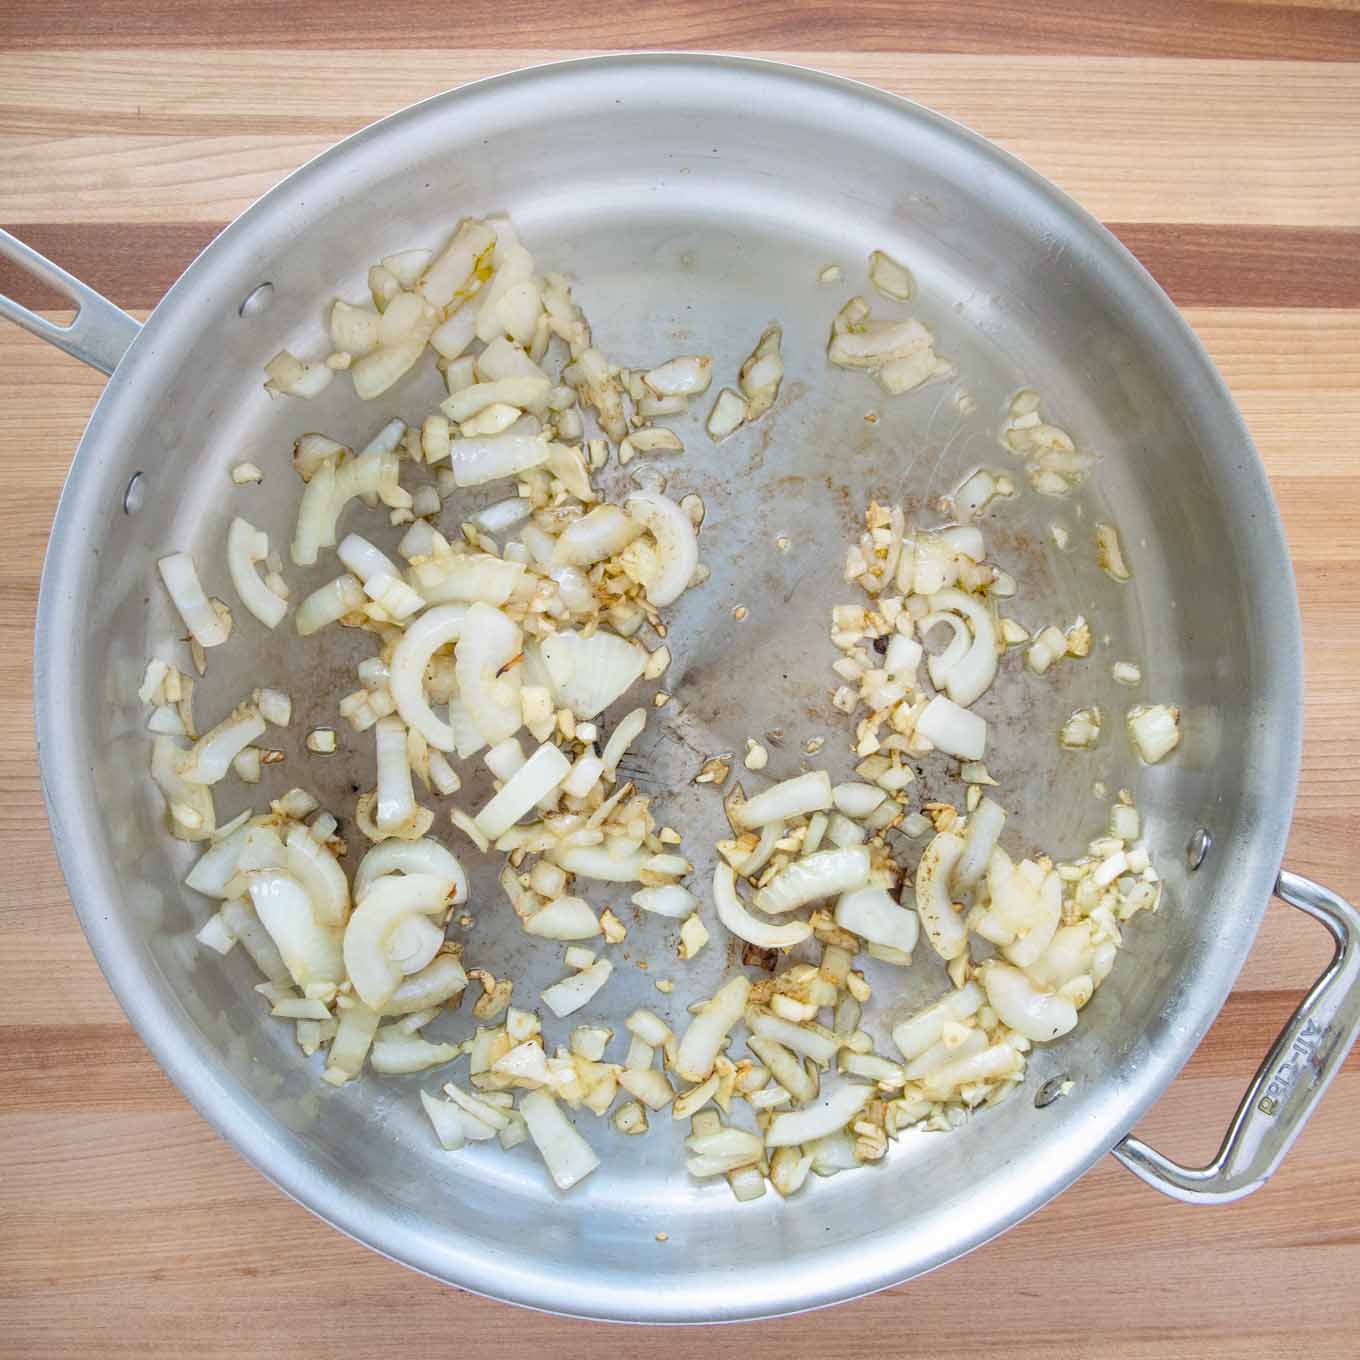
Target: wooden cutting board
[1220,139]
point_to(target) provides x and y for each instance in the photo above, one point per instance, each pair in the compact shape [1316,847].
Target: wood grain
[1220,140]
[1199,266]
[1205,28]
[1133,140]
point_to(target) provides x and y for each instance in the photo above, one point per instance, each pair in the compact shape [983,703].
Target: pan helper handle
[100,333]
[1288,1085]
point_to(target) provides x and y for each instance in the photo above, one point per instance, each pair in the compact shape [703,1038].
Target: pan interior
[694,202]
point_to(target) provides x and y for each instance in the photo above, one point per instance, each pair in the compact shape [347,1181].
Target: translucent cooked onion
[703,1038]
[568,996]
[329,604]
[872,914]
[206,625]
[488,681]
[943,925]
[824,874]
[1029,1010]
[677,547]
[493,457]
[597,535]
[954,730]
[209,759]
[423,856]
[792,798]
[566,1154]
[320,874]
[246,546]
[967,677]
[589,673]
[672,901]
[831,1113]
[985,824]
[310,951]
[746,927]
[432,630]
[536,778]
[374,975]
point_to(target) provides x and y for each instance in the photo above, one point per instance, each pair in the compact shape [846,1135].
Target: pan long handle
[100,333]
[1289,1083]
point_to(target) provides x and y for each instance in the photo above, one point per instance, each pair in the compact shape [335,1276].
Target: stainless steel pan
[696,199]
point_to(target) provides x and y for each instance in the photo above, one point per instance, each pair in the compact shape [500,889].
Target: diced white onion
[955,731]
[742,924]
[703,1038]
[677,547]
[246,546]
[538,777]
[568,996]
[831,1113]
[825,874]
[432,630]
[943,925]
[795,797]
[200,618]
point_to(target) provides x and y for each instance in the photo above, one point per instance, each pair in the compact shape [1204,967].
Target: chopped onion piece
[857,800]
[795,797]
[687,376]
[954,730]
[872,914]
[492,457]
[423,856]
[209,759]
[568,918]
[320,874]
[728,414]
[742,924]
[571,993]
[588,673]
[1029,1010]
[1155,729]
[892,279]
[311,951]
[831,1113]
[275,706]
[567,1155]
[396,796]
[1081,730]
[622,737]
[1110,553]
[246,546]
[382,908]
[329,604]
[539,776]
[597,535]
[812,1041]
[825,874]
[984,829]
[488,681]
[207,626]
[704,1036]
[943,925]
[432,630]
[677,547]
[671,900]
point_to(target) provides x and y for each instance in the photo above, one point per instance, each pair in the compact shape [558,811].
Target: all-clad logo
[1301,1052]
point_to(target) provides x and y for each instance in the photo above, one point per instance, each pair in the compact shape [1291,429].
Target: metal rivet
[135,495]
[257,300]
[1053,1089]
[1200,844]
